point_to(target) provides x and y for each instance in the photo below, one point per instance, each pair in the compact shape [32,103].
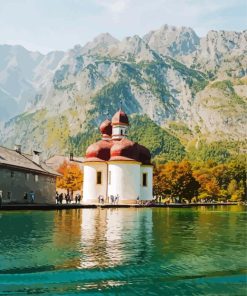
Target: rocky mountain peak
[173,41]
[225,41]
[133,48]
[99,44]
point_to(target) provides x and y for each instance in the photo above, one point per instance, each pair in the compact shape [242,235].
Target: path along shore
[46,207]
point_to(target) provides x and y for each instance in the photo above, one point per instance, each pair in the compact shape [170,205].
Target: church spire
[120,123]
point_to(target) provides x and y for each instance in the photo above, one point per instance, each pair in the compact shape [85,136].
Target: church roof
[113,150]
[99,151]
[106,128]
[120,117]
[123,149]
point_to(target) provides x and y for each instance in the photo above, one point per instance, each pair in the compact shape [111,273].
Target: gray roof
[56,160]
[23,161]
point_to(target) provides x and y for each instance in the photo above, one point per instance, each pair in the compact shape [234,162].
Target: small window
[12,174]
[27,176]
[144,179]
[99,177]
[9,195]
[109,178]
[121,132]
[36,178]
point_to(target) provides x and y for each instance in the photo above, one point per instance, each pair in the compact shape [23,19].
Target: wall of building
[118,131]
[124,181]
[20,182]
[91,190]
[147,191]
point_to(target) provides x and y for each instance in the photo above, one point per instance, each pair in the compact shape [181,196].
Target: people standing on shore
[112,199]
[25,196]
[32,196]
[67,198]
[57,197]
[79,198]
[61,198]
[1,197]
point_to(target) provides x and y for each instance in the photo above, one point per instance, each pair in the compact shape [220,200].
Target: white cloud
[114,7]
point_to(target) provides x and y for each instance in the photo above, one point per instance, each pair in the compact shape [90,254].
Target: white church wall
[146,191]
[124,181]
[91,190]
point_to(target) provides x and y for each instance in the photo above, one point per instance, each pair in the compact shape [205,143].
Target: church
[116,166]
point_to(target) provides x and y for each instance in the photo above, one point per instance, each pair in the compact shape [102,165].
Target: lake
[159,251]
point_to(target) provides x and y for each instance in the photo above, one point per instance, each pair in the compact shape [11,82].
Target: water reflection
[124,251]
[101,236]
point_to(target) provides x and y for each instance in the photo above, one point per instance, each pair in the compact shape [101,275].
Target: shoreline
[50,207]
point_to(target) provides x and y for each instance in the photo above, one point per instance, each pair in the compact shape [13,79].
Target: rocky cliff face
[173,41]
[170,74]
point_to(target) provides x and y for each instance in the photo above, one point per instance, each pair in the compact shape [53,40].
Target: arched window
[99,178]
[144,180]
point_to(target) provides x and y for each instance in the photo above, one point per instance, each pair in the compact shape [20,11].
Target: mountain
[173,41]
[100,44]
[193,88]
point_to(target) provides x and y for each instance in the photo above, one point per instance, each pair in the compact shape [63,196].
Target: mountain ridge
[170,74]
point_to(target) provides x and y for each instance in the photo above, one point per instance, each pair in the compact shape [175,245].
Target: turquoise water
[124,252]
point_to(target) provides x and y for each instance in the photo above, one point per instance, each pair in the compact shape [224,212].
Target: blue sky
[46,25]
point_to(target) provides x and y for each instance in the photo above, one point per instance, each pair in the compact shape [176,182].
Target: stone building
[22,175]
[117,167]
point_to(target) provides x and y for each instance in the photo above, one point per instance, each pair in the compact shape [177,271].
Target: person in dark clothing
[25,196]
[61,198]
[57,198]
[79,198]
[1,197]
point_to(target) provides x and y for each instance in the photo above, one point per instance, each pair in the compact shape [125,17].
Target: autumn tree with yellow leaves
[175,180]
[201,180]
[71,176]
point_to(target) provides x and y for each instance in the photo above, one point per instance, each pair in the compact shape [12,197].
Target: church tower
[120,123]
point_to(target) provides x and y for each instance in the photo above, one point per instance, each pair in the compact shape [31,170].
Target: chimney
[18,148]
[36,156]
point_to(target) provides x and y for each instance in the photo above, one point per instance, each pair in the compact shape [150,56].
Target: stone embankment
[17,207]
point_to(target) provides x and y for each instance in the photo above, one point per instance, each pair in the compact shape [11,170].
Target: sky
[45,25]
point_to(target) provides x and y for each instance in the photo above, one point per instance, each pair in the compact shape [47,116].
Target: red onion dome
[144,155]
[99,151]
[106,128]
[121,118]
[124,150]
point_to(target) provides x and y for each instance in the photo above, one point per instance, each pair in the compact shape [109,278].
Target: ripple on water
[123,252]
